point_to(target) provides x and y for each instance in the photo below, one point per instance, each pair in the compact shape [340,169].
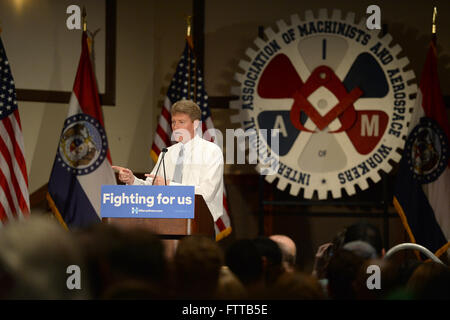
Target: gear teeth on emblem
[281,25]
[271,178]
[387,167]
[260,43]
[363,184]
[295,189]
[243,64]
[362,22]
[336,15]
[308,193]
[350,189]
[396,157]
[322,194]
[235,118]
[375,177]
[295,20]
[309,15]
[395,50]
[387,39]
[235,104]
[282,185]
[269,33]
[403,62]
[375,32]
[350,18]
[235,91]
[250,53]
[413,88]
[337,193]
[323,13]
[239,77]
[409,75]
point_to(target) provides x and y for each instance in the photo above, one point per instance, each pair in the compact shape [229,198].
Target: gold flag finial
[84,19]
[189,25]
[433,28]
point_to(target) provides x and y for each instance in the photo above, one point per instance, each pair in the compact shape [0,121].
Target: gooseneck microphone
[164,150]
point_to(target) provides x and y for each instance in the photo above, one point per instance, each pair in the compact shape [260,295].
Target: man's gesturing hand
[159,181]
[125,175]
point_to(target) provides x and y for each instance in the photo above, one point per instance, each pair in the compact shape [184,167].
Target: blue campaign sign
[147,201]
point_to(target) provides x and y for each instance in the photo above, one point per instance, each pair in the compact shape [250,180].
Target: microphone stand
[164,150]
[164,166]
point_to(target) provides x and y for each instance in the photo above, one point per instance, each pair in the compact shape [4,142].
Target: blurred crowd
[117,263]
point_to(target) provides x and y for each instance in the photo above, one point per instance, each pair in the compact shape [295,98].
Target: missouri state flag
[422,191]
[82,163]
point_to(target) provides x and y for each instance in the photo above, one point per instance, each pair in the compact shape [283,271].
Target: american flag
[188,83]
[14,197]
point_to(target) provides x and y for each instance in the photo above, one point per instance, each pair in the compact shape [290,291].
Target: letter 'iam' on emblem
[339,95]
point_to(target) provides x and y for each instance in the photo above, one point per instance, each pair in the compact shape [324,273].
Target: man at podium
[191,161]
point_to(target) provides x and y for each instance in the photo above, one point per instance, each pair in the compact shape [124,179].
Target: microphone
[164,150]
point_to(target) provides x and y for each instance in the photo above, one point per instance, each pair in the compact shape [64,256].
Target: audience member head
[245,261]
[197,262]
[34,258]
[379,279]
[341,273]
[364,232]
[271,258]
[229,287]
[430,280]
[296,286]
[120,257]
[288,251]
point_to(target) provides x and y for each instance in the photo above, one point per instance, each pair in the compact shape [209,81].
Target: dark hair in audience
[430,280]
[269,249]
[198,260]
[272,257]
[366,232]
[245,261]
[296,286]
[341,273]
[118,256]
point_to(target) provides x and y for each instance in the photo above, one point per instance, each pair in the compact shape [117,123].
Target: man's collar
[190,142]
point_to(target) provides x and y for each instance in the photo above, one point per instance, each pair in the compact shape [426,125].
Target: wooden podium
[202,224]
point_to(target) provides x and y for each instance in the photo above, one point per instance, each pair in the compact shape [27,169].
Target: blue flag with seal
[82,163]
[421,195]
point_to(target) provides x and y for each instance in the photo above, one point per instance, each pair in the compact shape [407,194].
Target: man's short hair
[188,107]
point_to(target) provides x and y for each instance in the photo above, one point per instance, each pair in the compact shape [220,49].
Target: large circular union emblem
[83,145]
[339,96]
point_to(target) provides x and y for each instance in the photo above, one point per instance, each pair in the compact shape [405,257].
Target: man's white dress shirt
[202,168]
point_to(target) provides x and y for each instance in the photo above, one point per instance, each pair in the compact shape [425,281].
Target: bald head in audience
[288,250]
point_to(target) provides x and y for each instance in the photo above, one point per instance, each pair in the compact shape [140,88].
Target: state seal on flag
[83,145]
[427,151]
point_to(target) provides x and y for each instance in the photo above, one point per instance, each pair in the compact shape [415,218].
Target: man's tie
[178,174]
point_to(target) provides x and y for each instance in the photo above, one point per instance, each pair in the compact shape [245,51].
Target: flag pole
[84,19]
[433,27]
[189,31]
[191,47]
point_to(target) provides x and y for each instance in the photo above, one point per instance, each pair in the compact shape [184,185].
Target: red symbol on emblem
[280,80]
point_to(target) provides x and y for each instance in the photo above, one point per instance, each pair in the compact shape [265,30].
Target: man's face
[183,127]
